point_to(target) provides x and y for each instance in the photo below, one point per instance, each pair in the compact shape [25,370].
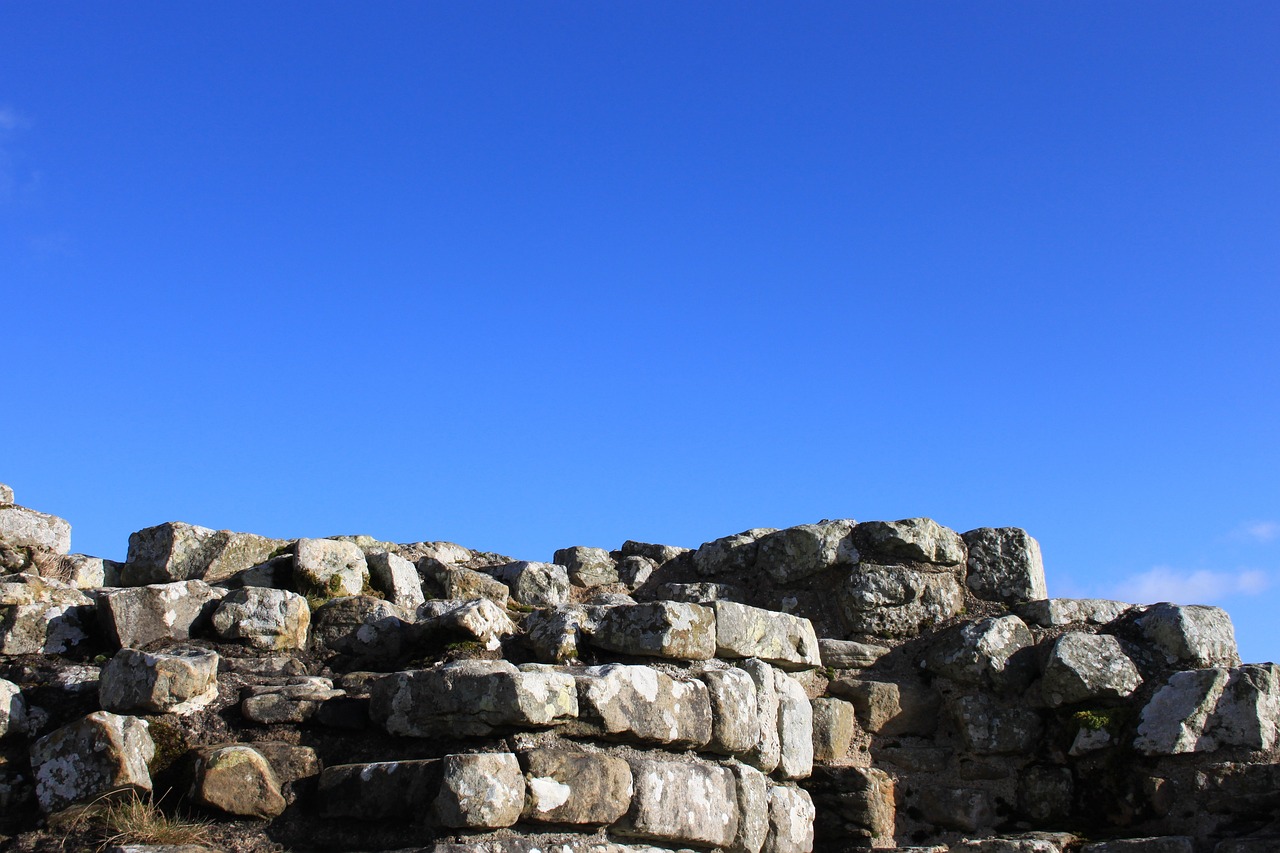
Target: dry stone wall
[832,686]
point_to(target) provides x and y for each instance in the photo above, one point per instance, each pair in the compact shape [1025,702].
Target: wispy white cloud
[1257,531]
[1164,583]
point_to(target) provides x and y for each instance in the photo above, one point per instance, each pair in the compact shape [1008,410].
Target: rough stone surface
[330,568]
[635,571]
[95,755]
[480,621]
[25,528]
[237,780]
[834,722]
[471,698]
[176,551]
[659,554]
[988,729]
[13,710]
[791,816]
[1087,666]
[556,635]
[535,584]
[890,708]
[379,790]
[42,616]
[665,629]
[682,802]
[795,729]
[6,494]
[849,654]
[396,578]
[896,601]
[1195,635]
[781,639]
[734,714]
[480,791]
[263,618]
[764,755]
[1173,721]
[170,611]
[1004,564]
[296,700]
[468,585]
[1055,612]
[734,554]
[983,652]
[370,630]
[587,567]
[176,681]
[798,552]
[640,703]
[918,540]
[1248,712]
[578,788]
[753,809]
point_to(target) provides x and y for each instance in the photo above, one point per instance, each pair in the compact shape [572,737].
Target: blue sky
[529,275]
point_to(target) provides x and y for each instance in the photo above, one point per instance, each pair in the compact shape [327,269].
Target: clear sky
[526,275]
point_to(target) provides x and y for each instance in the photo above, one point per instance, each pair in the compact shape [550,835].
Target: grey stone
[983,652]
[76,570]
[1248,712]
[753,809]
[640,703]
[176,551]
[659,554]
[764,755]
[469,698]
[1004,564]
[370,630]
[896,601]
[795,729]
[297,700]
[798,552]
[6,494]
[587,567]
[556,634]
[480,791]
[635,571]
[963,809]
[791,814]
[26,528]
[14,719]
[329,568]
[1089,740]
[664,629]
[734,554]
[988,729]
[396,578]
[833,728]
[1087,666]
[137,616]
[578,788]
[1174,719]
[177,681]
[480,621]
[535,584]
[849,654]
[381,790]
[702,592]
[468,584]
[918,540]
[1055,612]
[1044,793]
[683,803]
[96,755]
[1195,635]
[1163,844]
[781,639]
[42,615]
[264,618]
[734,711]
[864,801]
[237,780]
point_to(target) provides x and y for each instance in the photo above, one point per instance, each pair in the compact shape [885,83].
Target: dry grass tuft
[133,820]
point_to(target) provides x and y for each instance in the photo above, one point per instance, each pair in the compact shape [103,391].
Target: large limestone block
[237,780]
[137,616]
[849,654]
[535,584]
[1173,721]
[479,621]
[983,652]
[480,791]
[834,722]
[1055,612]
[1004,565]
[665,629]
[633,572]
[786,641]
[988,729]
[578,788]
[1248,712]
[791,815]
[642,704]
[798,552]
[735,728]
[659,554]
[264,618]
[176,551]
[1196,635]
[1087,666]
[682,803]
[890,708]
[96,755]
[26,528]
[14,719]
[79,571]
[379,791]
[330,568]
[42,616]
[467,584]
[795,729]
[896,601]
[177,681]
[368,629]
[918,540]
[470,698]
[753,809]
[6,494]
[766,753]
[587,567]
[734,554]
[396,578]
[556,635]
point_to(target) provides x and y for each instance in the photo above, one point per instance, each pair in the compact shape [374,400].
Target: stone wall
[833,686]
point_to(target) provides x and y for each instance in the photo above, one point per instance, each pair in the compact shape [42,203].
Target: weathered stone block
[640,703]
[764,755]
[664,629]
[1004,564]
[919,540]
[535,584]
[798,552]
[176,681]
[396,578]
[295,701]
[42,616]
[781,639]
[1083,667]
[479,620]
[587,567]
[92,757]
[137,616]
[480,791]
[1196,635]
[263,618]
[1173,721]
[791,814]
[795,729]
[26,528]
[984,652]
[833,728]
[176,551]
[734,711]
[734,554]
[237,780]
[753,809]
[889,708]
[683,803]
[896,601]
[329,568]
[1055,612]
[577,788]
[988,729]
[849,654]
[370,630]
[13,710]
[383,790]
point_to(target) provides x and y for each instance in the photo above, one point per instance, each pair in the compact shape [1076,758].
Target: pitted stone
[480,791]
[264,618]
[1004,564]
[1195,635]
[92,757]
[897,601]
[734,554]
[26,528]
[587,567]
[791,815]
[642,704]
[781,639]
[798,552]
[1087,666]
[579,788]
[1055,612]
[983,652]
[535,584]
[177,681]
[665,629]
[919,540]
[682,803]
